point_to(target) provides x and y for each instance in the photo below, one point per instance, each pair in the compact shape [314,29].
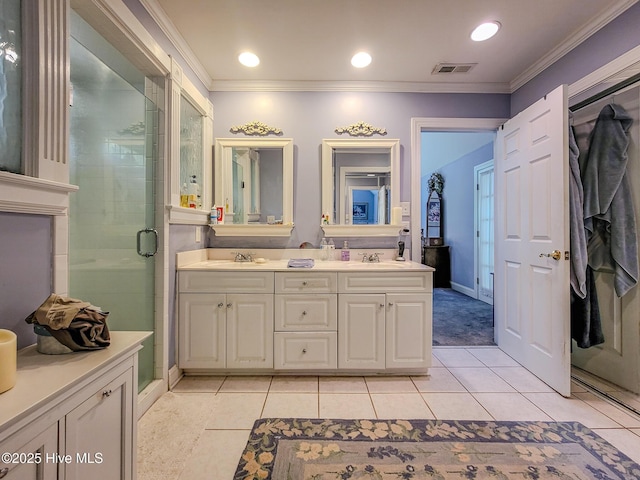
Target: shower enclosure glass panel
[113,152]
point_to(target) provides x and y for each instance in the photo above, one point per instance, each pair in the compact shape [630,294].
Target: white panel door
[408,330]
[202,330]
[361,319]
[250,331]
[532,221]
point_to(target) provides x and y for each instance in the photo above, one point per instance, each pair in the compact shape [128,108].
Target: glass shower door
[113,153]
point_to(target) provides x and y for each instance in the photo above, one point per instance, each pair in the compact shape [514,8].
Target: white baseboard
[149,395]
[462,289]
[175,374]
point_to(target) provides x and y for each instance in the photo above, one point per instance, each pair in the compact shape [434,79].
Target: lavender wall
[181,239]
[458,208]
[616,38]
[25,270]
[150,25]
[308,117]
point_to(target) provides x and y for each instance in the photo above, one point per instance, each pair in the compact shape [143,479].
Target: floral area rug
[317,449]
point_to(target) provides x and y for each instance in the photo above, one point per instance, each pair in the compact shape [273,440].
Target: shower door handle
[155,241]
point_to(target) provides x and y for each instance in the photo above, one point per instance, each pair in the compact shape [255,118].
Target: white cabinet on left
[72,416]
[226,320]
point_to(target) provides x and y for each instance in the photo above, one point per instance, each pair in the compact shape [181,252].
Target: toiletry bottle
[346,255]
[213,216]
[332,249]
[324,249]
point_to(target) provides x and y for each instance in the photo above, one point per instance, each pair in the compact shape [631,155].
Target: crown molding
[170,30]
[570,43]
[348,86]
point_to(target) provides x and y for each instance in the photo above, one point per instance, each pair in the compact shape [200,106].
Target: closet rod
[606,92]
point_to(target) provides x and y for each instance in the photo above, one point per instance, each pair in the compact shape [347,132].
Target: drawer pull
[221,304]
[304,284]
[107,393]
[3,472]
[304,350]
[304,312]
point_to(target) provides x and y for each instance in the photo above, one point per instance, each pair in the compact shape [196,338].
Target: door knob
[556,255]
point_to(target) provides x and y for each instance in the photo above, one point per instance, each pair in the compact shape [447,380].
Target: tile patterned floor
[199,430]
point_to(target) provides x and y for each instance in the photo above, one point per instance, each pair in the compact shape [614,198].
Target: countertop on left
[42,377]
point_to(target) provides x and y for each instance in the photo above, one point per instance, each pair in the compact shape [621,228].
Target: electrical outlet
[198,234]
[406,206]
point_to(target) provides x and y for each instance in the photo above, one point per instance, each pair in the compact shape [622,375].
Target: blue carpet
[459,320]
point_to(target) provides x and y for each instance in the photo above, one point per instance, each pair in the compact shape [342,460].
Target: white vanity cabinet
[337,317]
[385,320]
[73,416]
[225,320]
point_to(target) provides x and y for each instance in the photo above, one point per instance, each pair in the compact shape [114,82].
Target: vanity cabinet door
[408,331]
[361,331]
[202,330]
[29,454]
[98,433]
[249,331]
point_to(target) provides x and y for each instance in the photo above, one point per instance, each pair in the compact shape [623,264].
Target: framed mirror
[360,186]
[254,184]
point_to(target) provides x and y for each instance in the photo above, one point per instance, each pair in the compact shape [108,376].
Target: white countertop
[41,377]
[319,265]
[220,259]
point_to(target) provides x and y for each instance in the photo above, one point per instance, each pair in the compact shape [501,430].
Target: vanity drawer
[385,282]
[226,282]
[306,312]
[302,350]
[306,282]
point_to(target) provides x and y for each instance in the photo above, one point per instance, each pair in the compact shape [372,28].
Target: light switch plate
[406,211]
[198,234]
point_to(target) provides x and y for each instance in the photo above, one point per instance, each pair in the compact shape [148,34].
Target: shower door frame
[115,22]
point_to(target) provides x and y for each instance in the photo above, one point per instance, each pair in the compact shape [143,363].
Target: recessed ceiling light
[248,59]
[485,31]
[361,60]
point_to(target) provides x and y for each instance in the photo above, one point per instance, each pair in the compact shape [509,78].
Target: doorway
[113,159]
[613,367]
[465,161]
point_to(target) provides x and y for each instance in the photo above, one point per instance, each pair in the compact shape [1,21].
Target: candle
[396,216]
[8,359]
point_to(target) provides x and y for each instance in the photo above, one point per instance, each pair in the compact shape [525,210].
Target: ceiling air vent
[452,68]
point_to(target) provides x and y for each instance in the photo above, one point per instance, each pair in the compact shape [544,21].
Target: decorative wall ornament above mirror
[255,128]
[254,185]
[360,187]
[360,129]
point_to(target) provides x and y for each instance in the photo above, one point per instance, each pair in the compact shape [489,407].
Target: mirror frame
[328,145]
[223,187]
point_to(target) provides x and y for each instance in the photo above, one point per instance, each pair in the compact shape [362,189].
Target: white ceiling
[309,43]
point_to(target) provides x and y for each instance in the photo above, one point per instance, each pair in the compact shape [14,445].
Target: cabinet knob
[107,393]
[391,304]
[304,312]
[304,284]
[220,305]
[382,305]
[304,350]
[229,305]
[3,472]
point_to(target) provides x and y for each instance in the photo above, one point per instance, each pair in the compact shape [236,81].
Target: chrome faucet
[243,257]
[373,258]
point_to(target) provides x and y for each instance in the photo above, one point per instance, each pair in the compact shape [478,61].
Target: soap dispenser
[346,254]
